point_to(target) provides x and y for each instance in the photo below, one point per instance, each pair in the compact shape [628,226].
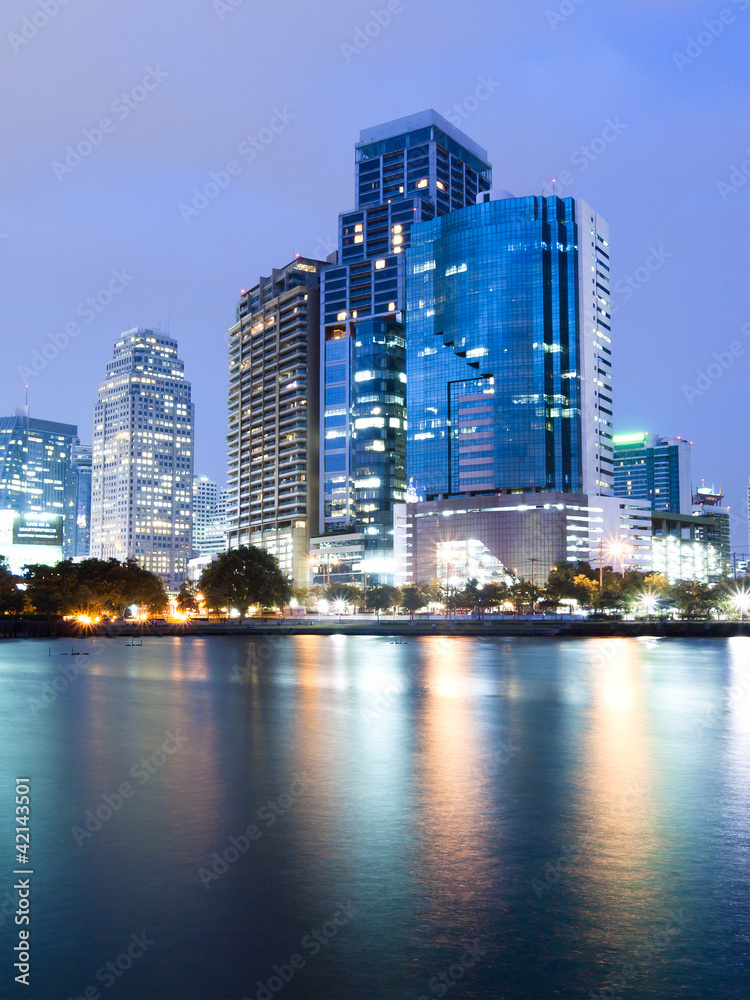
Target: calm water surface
[341,818]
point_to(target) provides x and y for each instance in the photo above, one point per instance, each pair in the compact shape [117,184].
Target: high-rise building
[143,457]
[36,474]
[80,497]
[274,379]
[655,469]
[209,517]
[509,358]
[407,171]
[205,504]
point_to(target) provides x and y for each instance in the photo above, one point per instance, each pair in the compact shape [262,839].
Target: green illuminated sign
[629,438]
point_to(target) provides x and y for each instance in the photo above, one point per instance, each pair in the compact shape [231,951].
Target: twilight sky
[638,106]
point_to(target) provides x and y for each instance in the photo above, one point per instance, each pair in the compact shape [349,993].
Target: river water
[342,818]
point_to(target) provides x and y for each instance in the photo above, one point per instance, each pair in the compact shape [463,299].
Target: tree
[349,593]
[11,598]
[413,597]
[693,599]
[495,594]
[186,600]
[584,590]
[93,587]
[382,596]
[242,577]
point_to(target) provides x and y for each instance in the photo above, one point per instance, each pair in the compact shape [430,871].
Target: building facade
[506,537]
[274,378]
[407,171]
[82,458]
[509,363]
[655,469]
[142,468]
[209,517]
[36,470]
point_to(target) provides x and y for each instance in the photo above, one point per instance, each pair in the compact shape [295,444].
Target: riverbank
[398,628]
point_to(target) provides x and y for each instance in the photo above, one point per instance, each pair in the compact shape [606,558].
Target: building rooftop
[422,119]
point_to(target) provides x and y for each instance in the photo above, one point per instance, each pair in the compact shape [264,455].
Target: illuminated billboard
[26,539]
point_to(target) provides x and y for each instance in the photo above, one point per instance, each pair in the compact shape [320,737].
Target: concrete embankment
[539,627]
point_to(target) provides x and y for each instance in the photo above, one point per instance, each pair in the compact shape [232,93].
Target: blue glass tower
[408,171]
[509,363]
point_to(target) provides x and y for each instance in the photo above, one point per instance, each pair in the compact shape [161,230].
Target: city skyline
[627,147]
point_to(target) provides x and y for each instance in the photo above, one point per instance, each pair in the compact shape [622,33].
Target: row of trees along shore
[250,577]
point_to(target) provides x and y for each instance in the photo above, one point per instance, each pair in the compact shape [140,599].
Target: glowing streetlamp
[741,600]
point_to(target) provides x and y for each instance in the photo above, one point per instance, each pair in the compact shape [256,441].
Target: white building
[143,457]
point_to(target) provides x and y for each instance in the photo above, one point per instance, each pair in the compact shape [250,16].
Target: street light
[741,600]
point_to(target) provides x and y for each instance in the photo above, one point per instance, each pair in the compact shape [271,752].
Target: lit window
[358,228]
[397,249]
[397,229]
[440,185]
[379,265]
[340,316]
[422,183]
[398,240]
[391,306]
[358,239]
[354,313]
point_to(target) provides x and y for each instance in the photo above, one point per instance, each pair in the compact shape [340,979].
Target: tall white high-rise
[143,457]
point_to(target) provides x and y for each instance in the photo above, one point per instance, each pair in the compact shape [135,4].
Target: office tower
[209,517]
[274,385]
[143,457]
[36,474]
[509,360]
[655,469]
[81,499]
[407,171]
[205,504]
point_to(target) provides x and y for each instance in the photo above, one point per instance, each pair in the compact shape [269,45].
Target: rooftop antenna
[554,181]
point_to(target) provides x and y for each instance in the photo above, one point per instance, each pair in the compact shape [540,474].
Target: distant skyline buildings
[655,469]
[142,470]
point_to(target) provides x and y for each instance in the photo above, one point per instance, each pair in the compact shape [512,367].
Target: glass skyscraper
[36,470]
[407,171]
[509,360]
[655,469]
